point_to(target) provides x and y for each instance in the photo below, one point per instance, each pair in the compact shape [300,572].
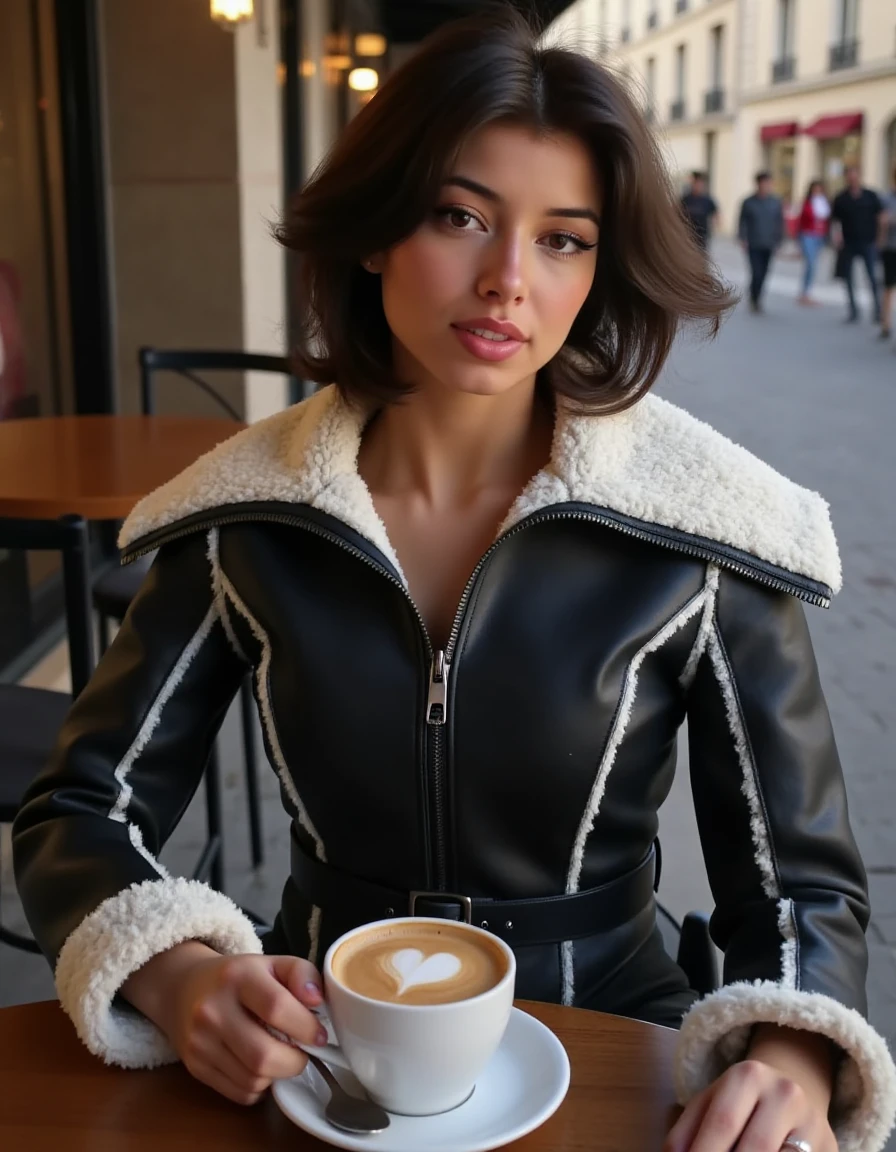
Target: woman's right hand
[216,1010]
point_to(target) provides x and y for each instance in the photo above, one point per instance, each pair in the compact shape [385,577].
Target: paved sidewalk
[817,400]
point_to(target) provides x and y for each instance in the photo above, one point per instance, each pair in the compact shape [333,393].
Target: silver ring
[797,1145]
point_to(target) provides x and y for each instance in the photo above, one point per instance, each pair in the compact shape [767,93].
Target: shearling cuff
[119,937]
[715,1034]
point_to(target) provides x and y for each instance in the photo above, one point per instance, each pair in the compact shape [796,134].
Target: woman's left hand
[752,1107]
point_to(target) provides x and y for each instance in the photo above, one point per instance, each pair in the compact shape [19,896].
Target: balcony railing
[653,18]
[844,55]
[625,35]
[783,70]
[676,110]
[714,101]
[681,6]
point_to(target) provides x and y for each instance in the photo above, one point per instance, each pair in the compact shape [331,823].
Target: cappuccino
[416,964]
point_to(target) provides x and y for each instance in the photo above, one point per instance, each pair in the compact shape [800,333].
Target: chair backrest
[188,362]
[67,535]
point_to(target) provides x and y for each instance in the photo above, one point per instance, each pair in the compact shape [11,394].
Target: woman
[481,582]
[814,223]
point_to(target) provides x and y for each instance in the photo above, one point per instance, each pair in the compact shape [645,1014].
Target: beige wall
[260,183]
[174,199]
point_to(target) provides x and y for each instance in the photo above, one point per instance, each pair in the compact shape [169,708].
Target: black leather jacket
[653,573]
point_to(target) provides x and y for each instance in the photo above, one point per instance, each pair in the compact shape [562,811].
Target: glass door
[35,352]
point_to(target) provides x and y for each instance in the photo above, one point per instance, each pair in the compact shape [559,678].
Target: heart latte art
[419,964]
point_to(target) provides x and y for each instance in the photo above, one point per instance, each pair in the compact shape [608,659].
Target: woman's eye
[565,244]
[458,218]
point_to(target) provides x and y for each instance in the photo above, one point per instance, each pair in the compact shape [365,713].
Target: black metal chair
[30,718]
[116,588]
[692,947]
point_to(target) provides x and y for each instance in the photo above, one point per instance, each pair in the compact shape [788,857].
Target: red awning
[833,127]
[778,131]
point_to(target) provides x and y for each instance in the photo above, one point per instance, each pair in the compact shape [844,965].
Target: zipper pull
[437,704]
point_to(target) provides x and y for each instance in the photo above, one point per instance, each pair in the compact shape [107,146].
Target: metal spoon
[349,1113]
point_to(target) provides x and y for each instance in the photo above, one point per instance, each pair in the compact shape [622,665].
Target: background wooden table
[56,1097]
[97,467]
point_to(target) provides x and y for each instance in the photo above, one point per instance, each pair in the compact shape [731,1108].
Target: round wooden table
[97,467]
[56,1097]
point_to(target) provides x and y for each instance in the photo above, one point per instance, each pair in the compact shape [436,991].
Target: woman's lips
[493,347]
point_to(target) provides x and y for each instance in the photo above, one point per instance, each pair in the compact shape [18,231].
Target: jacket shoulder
[258,463]
[658,463]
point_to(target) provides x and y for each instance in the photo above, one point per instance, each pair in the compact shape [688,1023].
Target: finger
[300,977]
[682,1132]
[215,1077]
[264,996]
[261,1054]
[781,1111]
[728,1113]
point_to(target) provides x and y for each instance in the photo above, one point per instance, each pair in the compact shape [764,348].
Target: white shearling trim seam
[617,734]
[715,1033]
[119,937]
[749,786]
[267,716]
[711,588]
[787,926]
[220,599]
[119,810]
[653,462]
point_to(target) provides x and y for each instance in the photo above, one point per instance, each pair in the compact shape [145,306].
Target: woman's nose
[504,276]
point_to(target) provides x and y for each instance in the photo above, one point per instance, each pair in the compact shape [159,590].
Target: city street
[817,400]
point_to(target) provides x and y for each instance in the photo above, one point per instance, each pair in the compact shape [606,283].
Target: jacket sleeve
[127,762]
[789,887]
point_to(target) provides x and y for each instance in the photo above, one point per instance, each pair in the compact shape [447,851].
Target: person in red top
[814,223]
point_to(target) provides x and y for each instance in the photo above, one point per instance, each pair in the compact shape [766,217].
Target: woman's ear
[373,264]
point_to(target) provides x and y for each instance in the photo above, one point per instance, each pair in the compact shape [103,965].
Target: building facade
[799,87]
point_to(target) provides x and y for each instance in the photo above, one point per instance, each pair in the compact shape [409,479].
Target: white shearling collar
[654,463]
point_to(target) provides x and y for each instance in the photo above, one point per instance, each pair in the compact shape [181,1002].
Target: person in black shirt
[700,209]
[857,215]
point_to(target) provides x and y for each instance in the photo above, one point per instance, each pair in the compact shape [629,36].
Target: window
[678,105]
[783,63]
[680,71]
[717,56]
[715,94]
[847,20]
[653,16]
[650,80]
[785,29]
[845,48]
[626,31]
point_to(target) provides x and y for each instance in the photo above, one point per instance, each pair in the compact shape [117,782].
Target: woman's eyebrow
[489,194]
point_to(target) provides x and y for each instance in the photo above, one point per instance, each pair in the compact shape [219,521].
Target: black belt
[542,920]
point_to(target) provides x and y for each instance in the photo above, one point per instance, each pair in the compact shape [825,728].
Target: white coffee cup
[416,1059]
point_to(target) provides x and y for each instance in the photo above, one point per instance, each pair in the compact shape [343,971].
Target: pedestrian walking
[814,224]
[761,230]
[857,215]
[888,258]
[700,209]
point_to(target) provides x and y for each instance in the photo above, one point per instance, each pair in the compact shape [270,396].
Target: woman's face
[484,293]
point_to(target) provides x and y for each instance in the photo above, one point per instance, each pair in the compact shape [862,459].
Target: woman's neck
[449,448]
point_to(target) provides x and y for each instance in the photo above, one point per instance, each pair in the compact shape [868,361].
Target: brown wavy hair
[383,176]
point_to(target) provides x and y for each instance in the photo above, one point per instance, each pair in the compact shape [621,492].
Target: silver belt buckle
[465,903]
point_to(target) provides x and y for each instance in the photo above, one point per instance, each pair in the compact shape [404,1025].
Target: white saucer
[523,1084]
